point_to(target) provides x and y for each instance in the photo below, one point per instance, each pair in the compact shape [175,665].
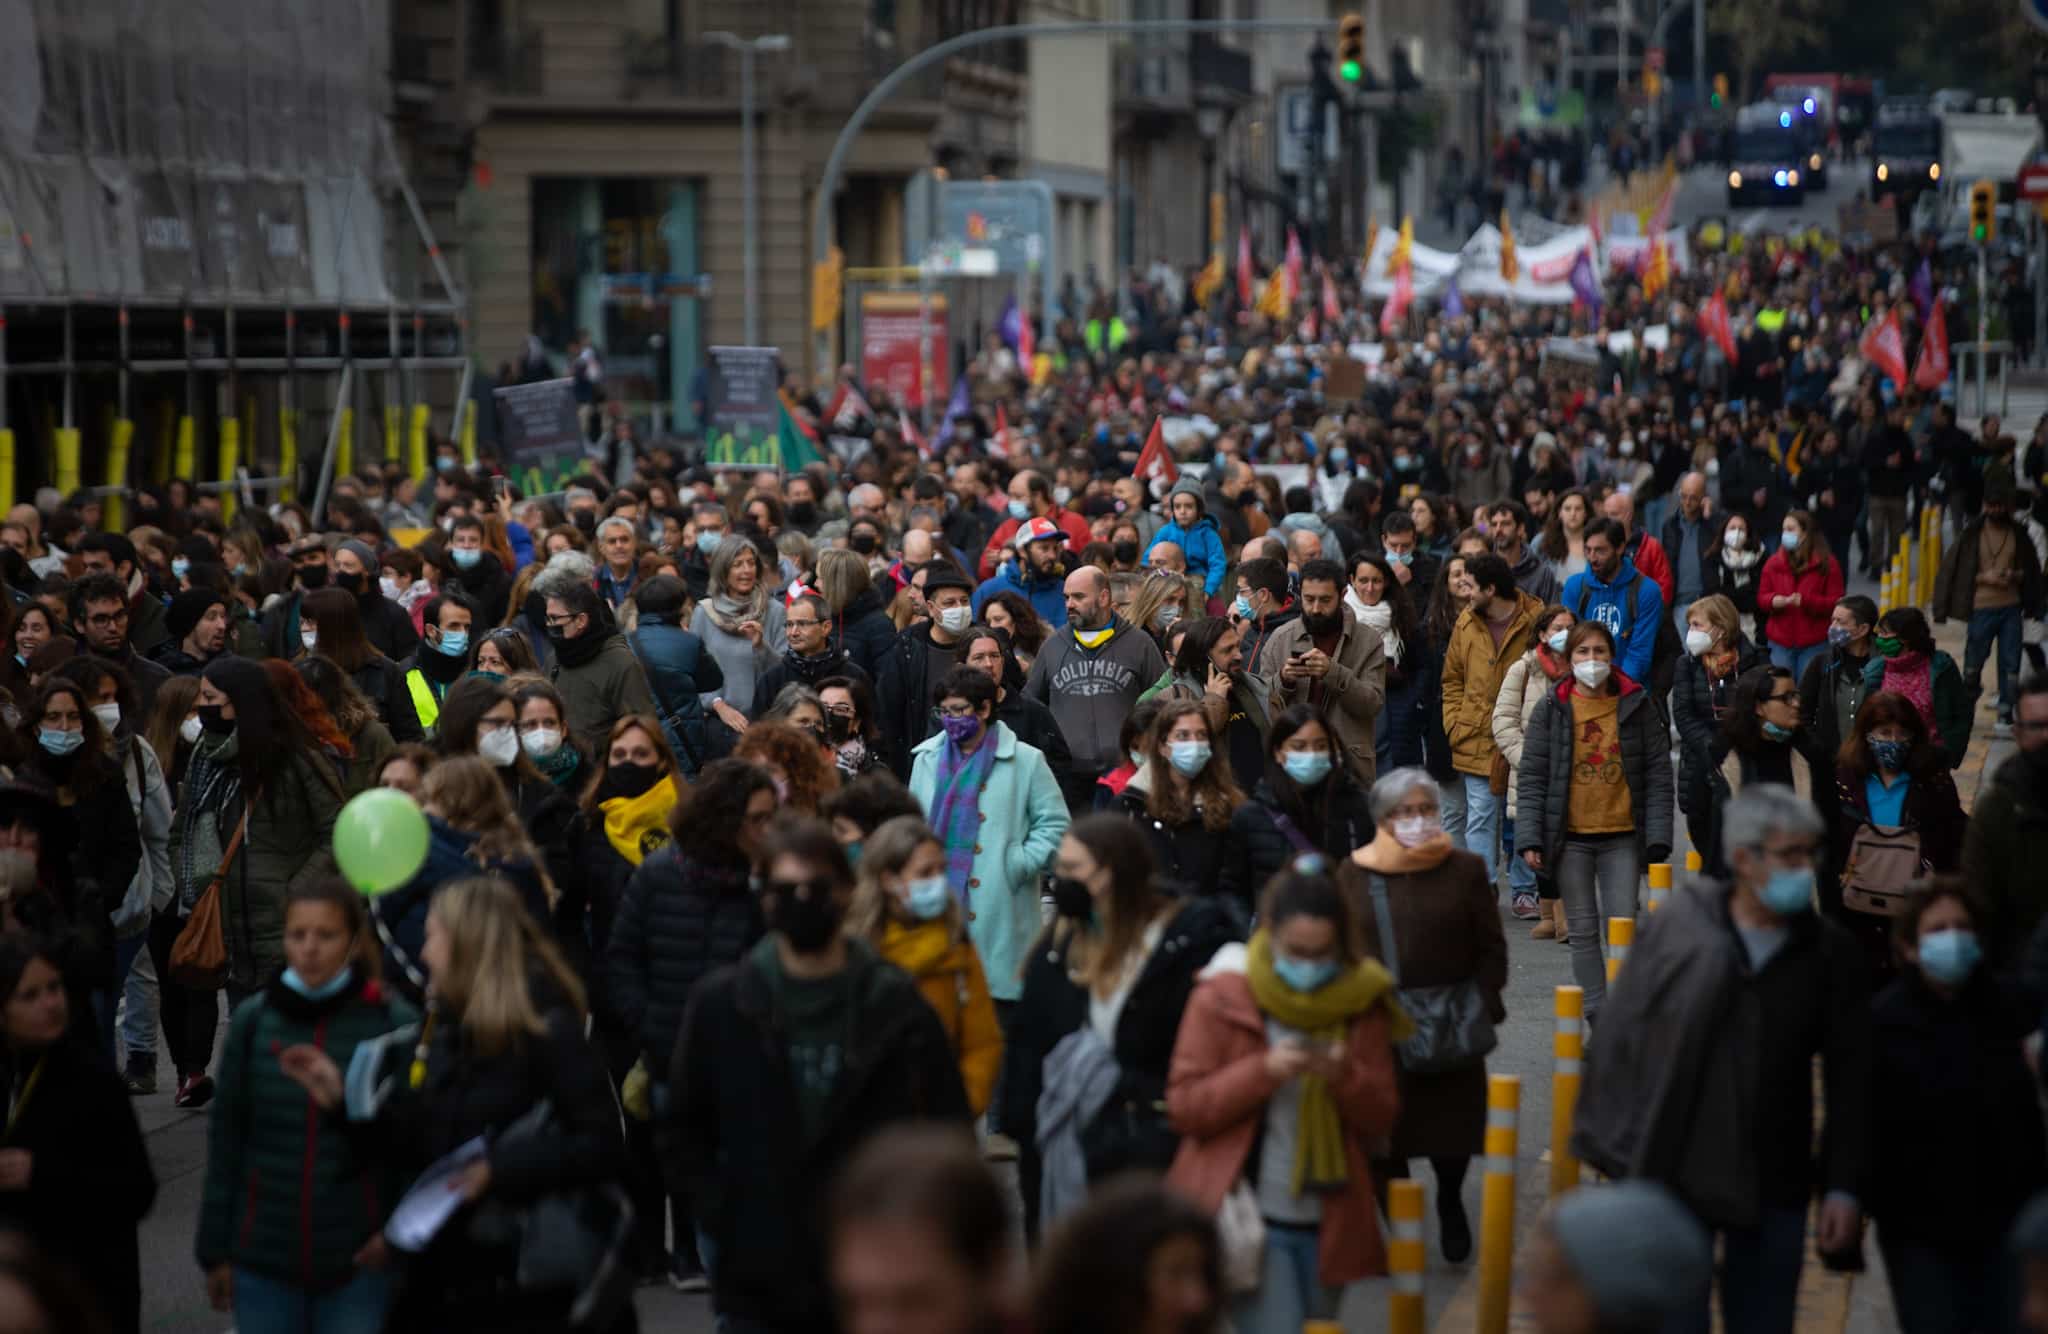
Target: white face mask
[1592,674]
[1734,538]
[1556,641]
[310,638]
[189,730]
[541,742]
[1698,641]
[110,715]
[500,747]
[1412,831]
[953,620]
[390,587]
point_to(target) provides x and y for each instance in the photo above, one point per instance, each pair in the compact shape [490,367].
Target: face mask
[927,898]
[1136,757]
[454,643]
[1062,494]
[541,742]
[60,743]
[1070,898]
[1886,646]
[444,464]
[310,638]
[862,543]
[1775,732]
[960,731]
[211,719]
[1168,614]
[1188,757]
[1127,553]
[1400,558]
[1950,956]
[807,923]
[190,730]
[180,567]
[351,582]
[1890,754]
[630,780]
[1412,831]
[802,513]
[465,558]
[1790,537]
[500,747]
[389,588]
[1837,636]
[1734,538]
[333,986]
[1019,510]
[1592,675]
[313,576]
[1306,767]
[953,620]
[1556,642]
[1788,892]
[448,524]
[852,851]
[708,540]
[1242,607]
[1698,641]
[1303,974]
[1699,423]
[108,714]
[1628,447]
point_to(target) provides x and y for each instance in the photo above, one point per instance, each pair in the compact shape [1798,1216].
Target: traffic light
[1720,97]
[1351,48]
[1984,212]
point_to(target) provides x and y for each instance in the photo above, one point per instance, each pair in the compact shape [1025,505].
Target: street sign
[2033,181]
[742,417]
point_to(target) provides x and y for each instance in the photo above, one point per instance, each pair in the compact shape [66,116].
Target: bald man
[1090,675]
[1688,535]
[1646,551]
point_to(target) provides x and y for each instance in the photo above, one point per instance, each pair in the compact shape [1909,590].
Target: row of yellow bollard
[1908,582]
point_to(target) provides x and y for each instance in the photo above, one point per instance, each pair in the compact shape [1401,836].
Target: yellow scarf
[639,825]
[1323,1014]
[1092,639]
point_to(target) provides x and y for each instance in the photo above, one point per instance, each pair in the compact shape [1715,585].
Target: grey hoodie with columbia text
[1092,690]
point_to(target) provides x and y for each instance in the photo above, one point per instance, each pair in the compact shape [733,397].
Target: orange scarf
[1387,855]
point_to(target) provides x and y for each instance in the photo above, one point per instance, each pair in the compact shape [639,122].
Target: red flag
[1397,305]
[1156,465]
[1331,310]
[1884,346]
[1660,221]
[1310,331]
[848,409]
[1246,279]
[1932,372]
[1714,324]
[1294,264]
[907,424]
[1027,342]
[999,443]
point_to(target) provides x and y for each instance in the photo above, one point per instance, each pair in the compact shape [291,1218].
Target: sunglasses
[822,885]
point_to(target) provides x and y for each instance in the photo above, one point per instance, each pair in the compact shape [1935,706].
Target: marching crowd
[1149,813]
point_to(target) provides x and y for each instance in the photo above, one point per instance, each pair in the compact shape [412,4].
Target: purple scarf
[956,804]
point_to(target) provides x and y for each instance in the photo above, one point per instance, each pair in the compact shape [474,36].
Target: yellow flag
[1372,240]
[1657,273]
[1399,258]
[1210,279]
[1510,267]
[1273,301]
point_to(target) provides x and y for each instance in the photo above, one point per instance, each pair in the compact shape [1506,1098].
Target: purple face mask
[960,730]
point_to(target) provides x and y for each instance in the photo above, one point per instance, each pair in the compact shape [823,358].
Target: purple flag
[1454,302]
[1921,288]
[1007,323]
[1585,283]
[958,407]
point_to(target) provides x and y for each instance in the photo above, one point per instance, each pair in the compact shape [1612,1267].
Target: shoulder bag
[1453,1031]
[199,956]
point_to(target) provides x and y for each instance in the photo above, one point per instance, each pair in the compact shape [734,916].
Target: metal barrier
[1963,353]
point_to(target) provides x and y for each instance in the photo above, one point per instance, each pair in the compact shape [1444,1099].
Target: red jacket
[1819,587]
[1651,558]
[1070,523]
[1216,1095]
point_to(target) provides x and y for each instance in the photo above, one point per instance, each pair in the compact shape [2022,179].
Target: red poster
[889,361]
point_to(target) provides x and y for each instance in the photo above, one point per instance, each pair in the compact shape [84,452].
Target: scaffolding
[209,251]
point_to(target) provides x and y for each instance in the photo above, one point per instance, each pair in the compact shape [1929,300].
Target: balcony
[509,63]
[1153,82]
[658,65]
[1216,68]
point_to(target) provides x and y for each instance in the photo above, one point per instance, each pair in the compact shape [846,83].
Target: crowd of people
[1152,815]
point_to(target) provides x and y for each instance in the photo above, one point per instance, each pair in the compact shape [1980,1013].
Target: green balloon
[380,840]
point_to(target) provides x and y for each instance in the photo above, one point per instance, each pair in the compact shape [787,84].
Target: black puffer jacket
[1543,798]
[866,632]
[1697,699]
[680,918]
[1189,854]
[1335,820]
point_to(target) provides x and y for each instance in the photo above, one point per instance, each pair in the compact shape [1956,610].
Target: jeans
[1946,1292]
[138,1006]
[1596,875]
[1759,1277]
[1521,880]
[1479,822]
[268,1306]
[1289,1291]
[2003,625]
[1453,811]
[1795,659]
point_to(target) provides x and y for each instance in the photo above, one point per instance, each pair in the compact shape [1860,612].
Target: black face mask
[210,719]
[808,922]
[586,520]
[349,581]
[628,780]
[1127,553]
[1070,898]
[863,543]
[312,576]
[838,728]
[803,513]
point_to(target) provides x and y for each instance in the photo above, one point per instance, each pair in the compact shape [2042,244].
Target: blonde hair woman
[1163,597]
[904,906]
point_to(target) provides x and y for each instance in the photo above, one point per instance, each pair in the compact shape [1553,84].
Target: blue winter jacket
[1048,597]
[1635,637]
[679,669]
[1204,545]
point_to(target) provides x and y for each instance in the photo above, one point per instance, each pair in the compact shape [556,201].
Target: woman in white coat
[1529,678]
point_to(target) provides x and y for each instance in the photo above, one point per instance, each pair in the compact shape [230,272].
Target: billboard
[889,335]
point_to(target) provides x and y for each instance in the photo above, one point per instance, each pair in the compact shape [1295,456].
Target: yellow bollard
[469,437]
[6,470]
[181,463]
[416,441]
[345,446]
[1694,862]
[66,479]
[1322,1327]
[1660,884]
[393,442]
[1497,1203]
[1405,1258]
[288,454]
[1568,1046]
[114,508]
[1621,933]
[230,459]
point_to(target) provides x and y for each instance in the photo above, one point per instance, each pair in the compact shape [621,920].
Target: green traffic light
[1351,71]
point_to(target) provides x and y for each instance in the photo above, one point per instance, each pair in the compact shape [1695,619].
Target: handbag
[199,956]
[1453,1030]
[1241,1239]
[1497,776]
[1883,860]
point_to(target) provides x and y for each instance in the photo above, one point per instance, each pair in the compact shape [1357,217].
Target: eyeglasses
[816,887]
[103,619]
[1783,697]
[560,622]
[956,711]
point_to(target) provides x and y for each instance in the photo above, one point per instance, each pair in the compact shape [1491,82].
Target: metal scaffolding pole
[333,444]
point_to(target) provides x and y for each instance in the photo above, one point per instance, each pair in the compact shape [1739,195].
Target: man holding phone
[1326,658]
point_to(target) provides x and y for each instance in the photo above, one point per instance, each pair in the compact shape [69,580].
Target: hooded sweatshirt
[1091,690]
[1047,596]
[1203,543]
[1635,636]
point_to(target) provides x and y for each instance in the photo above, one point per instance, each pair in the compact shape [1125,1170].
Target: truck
[1766,157]
[1905,150]
[1812,108]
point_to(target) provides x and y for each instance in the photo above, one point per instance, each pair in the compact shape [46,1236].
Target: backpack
[1668,649]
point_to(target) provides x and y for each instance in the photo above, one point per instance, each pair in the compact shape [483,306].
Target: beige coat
[1473,669]
[1521,690]
[1354,687]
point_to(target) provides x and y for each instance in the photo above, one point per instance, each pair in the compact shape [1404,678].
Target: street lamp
[750,261]
[1209,124]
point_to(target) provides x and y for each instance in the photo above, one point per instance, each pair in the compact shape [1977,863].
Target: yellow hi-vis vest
[423,702]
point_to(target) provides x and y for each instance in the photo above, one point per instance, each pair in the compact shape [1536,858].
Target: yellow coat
[1473,670]
[948,974]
